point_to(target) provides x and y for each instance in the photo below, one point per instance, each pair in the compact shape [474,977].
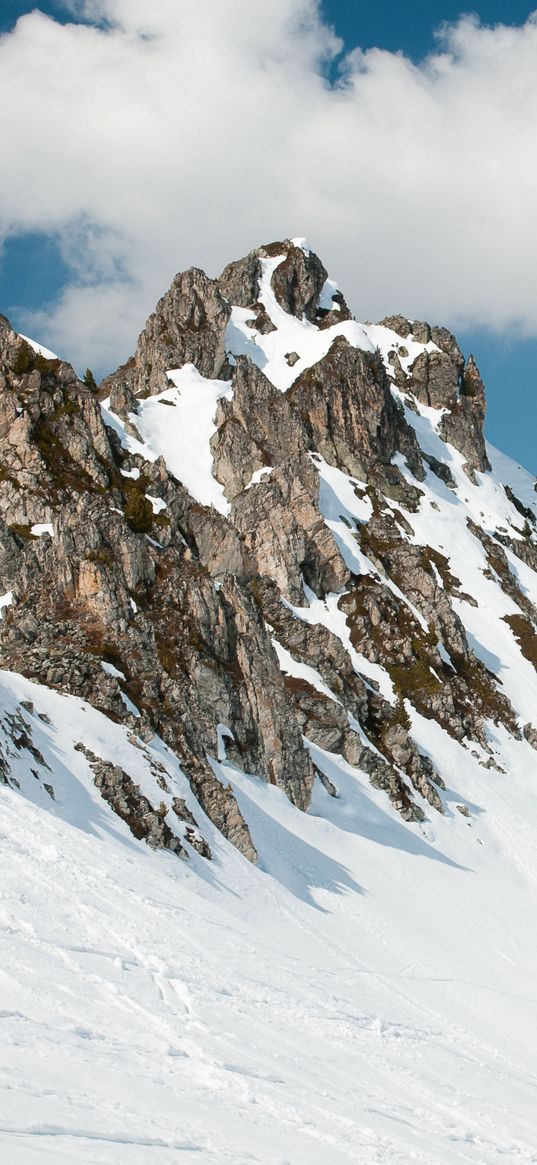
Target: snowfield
[366,995]
[178,424]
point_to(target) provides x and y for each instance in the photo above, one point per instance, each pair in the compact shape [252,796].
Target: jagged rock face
[435,379]
[187,327]
[351,417]
[440,377]
[258,427]
[297,283]
[284,532]
[462,426]
[74,593]
[271,619]
[345,404]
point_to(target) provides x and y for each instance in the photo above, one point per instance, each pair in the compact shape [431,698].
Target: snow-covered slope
[180,431]
[365,993]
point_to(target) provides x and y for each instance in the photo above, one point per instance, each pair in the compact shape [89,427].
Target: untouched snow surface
[366,996]
[178,424]
[39,348]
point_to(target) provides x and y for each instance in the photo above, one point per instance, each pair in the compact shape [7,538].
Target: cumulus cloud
[172,134]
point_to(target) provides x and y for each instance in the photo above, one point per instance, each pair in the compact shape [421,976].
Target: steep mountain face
[280,531]
[242,534]
[267,594]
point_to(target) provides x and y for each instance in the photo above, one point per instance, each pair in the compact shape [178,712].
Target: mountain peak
[268,646]
[261,483]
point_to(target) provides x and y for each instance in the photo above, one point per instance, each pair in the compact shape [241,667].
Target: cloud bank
[172,134]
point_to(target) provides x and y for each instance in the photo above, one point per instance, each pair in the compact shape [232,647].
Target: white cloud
[181,133]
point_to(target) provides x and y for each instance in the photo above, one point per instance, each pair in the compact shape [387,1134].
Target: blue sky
[40,259]
[411,27]
[508,366]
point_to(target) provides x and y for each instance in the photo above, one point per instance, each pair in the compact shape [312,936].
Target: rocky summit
[273,534]
[268,742]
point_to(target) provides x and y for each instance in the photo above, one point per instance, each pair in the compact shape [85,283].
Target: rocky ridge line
[192,608]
